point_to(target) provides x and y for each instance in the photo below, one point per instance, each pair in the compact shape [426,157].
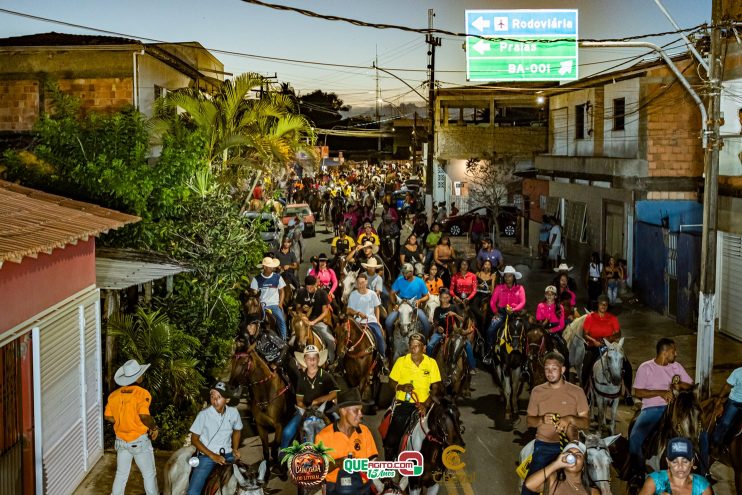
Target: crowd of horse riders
[416,316]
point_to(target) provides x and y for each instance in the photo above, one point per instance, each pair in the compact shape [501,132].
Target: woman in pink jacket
[508,298]
[551,315]
[325,276]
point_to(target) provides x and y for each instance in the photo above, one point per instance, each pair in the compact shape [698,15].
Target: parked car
[271,229]
[303,210]
[399,196]
[507,221]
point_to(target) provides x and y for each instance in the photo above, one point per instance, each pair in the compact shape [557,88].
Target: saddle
[218,478]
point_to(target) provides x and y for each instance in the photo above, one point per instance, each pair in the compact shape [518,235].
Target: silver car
[271,231]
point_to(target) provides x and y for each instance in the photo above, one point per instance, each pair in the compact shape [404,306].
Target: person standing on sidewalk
[556,409]
[128,410]
[594,280]
[216,435]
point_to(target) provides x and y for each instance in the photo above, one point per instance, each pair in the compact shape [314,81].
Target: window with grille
[619,114]
[672,255]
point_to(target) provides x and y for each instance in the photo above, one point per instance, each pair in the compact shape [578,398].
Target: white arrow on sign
[481,46]
[565,67]
[481,23]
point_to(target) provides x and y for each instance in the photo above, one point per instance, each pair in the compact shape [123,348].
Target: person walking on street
[613,274]
[347,437]
[556,409]
[216,435]
[491,253]
[128,409]
[654,385]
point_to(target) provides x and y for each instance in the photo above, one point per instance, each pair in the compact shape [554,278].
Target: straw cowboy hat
[269,262]
[311,349]
[372,263]
[563,268]
[511,270]
[129,372]
[374,247]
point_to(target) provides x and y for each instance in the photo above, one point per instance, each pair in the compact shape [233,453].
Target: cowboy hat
[322,257]
[129,372]
[563,268]
[311,349]
[372,263]
[407,268]
[347,398]
[511,270]
[374,247]
[269,262]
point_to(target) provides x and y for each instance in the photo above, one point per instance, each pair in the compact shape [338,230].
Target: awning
[122,268]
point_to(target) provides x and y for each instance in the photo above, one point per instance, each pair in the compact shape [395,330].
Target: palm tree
[246,136]
[148,337]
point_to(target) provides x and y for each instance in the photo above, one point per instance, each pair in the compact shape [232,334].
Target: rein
[350,348]
[607,395]
[271,375]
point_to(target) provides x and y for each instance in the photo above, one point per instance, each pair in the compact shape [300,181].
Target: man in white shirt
[271,284]
[216,428]
[555,244]
[363,305]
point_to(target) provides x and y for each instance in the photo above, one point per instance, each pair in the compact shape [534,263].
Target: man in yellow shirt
[347,436]
[128,410]
[416,379]
[368,234]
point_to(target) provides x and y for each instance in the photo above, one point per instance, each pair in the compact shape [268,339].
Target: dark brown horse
[536,346]
[356,348]
[451,357]
[302,331]
[269,400]
[733,457]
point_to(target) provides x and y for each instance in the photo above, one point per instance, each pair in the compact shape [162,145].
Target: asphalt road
[491,445]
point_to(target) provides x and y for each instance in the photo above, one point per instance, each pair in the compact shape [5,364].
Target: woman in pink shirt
[508,297]
[551,315]
[325,276]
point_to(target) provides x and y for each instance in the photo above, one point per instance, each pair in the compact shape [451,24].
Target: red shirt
[597,327]
[464,286]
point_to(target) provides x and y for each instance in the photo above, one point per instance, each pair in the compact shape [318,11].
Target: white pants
[140,450]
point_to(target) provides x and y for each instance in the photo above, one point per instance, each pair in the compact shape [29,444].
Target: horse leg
[614,412]
[265,445]
[507,392]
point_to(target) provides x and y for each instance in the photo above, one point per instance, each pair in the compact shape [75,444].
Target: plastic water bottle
[570,459]
[408,395]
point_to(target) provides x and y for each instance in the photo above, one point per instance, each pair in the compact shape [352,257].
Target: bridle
[251,366]
[597,447]
[351,348]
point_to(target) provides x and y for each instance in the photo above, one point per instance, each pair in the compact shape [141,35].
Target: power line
[430,30]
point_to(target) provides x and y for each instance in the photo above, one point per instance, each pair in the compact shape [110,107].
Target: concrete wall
[730,215]
[622,143]
[155,72]
[454,142]
[575,147]
[588,165]
[593,198]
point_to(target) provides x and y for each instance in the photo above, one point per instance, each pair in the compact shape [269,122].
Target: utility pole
[707,301]
[414,143]
[433,42]
[378,103]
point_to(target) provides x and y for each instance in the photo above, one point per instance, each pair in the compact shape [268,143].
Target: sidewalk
[641,327]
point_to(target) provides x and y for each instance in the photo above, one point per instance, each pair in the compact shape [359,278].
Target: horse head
[684,414]
[407,312]
[241,367]
[349,283]
[598,459]
[612,361]
[313,422]
[250,299]
[250,480]
[444,422]
[387,486]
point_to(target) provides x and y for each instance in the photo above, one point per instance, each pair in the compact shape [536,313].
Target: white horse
[313,422]
[349,283]
[605,389]
[406,324]
[573,335]
[433,302]
[598,459]
[244,480]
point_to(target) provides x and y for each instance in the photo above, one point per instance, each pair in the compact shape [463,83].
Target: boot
[487,358]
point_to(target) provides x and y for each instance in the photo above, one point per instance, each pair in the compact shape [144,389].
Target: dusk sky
[246,28]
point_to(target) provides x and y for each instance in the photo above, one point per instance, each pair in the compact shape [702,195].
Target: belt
[594,279]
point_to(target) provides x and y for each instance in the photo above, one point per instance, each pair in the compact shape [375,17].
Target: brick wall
[19,105]
[674,147]
[100,94]
[473,141]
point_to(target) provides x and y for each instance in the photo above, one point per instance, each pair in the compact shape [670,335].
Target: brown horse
[269,401]
[451,357]
[733,458]
[302,331]
[355,347]
[536,347]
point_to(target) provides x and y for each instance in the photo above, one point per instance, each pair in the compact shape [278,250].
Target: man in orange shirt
[128,410]
[347,437]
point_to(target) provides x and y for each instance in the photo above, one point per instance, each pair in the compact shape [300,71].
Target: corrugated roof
[33,222]
[122,268]
[65,39]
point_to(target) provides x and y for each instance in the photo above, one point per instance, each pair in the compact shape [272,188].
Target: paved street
[492,446]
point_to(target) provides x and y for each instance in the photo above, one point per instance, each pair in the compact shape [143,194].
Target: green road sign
[521,45]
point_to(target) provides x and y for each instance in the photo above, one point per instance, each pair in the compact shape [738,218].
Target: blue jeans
[389,322]
[647,421]
[437,337]
[544,454]
[380,344]
[613,290]
[280,320]
[725,422]
[201,473]
[289,430]
[497,322]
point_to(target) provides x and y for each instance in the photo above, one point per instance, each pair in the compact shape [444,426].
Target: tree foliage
[492,180]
